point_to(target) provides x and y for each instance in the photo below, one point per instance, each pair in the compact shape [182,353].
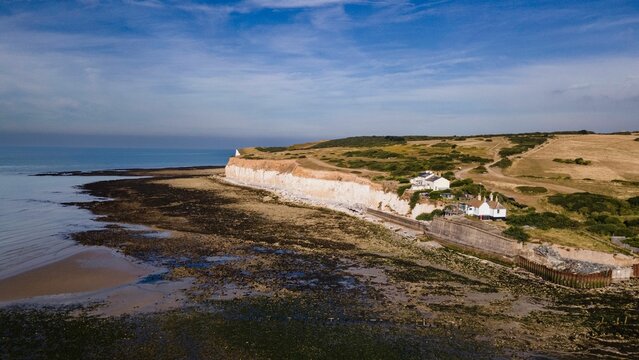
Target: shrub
[634,201]
[362,141]
[444,145]
[435,195]
[373,153]
[633,241]
[626,182]
[503,163]
[430,216]
[523,144]
[517,232]
[578,161]
[545,220]
[415,198]
[611,229]
[472,158]
[632,222]
[532,189]
[587,203]
[481,169]
[458,183]
[402,189]
[271,148]
[473,189]
[449,175]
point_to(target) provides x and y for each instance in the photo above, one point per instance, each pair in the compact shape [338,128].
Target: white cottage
[428,180]
[485,209]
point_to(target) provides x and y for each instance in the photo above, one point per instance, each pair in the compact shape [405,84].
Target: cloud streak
[311,68]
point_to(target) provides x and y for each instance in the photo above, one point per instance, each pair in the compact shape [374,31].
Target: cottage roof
[475,203]
[495,205]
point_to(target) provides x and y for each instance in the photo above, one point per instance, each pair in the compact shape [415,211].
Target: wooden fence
[580,281]
[635,270]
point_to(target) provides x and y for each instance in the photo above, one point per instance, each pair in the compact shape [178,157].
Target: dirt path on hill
[505,183]
[317,164]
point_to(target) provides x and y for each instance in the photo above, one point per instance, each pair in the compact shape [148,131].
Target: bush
[634,201]
[503,163]
[458,183]
[449,175]
[632,222]
[481,169]
[587,203]
[362,141]
[430,216]
[532,189]
[373,153]
[626,182]
[271,149]
[435,195]
[517,232]
[415,198]
[402,189]
[611,229]
[545,220]
[578,161]
[472,158]
[523,144]
[633,241]
[444,145]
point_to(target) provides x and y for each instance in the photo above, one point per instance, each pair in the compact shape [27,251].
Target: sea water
[34,223]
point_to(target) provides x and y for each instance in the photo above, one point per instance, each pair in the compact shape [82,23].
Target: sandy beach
[92,269]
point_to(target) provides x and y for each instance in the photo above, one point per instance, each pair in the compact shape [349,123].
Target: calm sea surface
[34,226]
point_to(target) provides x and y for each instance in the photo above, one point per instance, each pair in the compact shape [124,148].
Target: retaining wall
[400,220]
[475,238]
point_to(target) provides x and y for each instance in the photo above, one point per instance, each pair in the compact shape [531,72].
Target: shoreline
[87,270]
[81,271]
[260,260]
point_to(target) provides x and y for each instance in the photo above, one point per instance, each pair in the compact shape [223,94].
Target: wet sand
[90,270]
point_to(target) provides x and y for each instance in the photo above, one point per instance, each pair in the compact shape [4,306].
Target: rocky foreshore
[276,278]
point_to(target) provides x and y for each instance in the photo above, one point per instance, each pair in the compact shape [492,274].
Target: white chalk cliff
[326,186]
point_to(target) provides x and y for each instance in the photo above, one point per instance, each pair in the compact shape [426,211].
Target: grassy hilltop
[538,176]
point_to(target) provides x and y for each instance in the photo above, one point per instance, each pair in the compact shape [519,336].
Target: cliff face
[327,186]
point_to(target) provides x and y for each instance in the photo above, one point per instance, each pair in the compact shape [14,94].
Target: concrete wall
[328,186]
[472,237]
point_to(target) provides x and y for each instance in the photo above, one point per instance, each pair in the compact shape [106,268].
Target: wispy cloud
[313,68]
[293,4]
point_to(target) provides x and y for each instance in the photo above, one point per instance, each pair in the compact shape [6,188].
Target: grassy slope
[613,157]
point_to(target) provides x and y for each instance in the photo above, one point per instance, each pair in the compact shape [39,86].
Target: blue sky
[313,69]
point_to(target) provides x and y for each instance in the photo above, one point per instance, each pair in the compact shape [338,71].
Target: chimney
[479,197]
[491,196]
